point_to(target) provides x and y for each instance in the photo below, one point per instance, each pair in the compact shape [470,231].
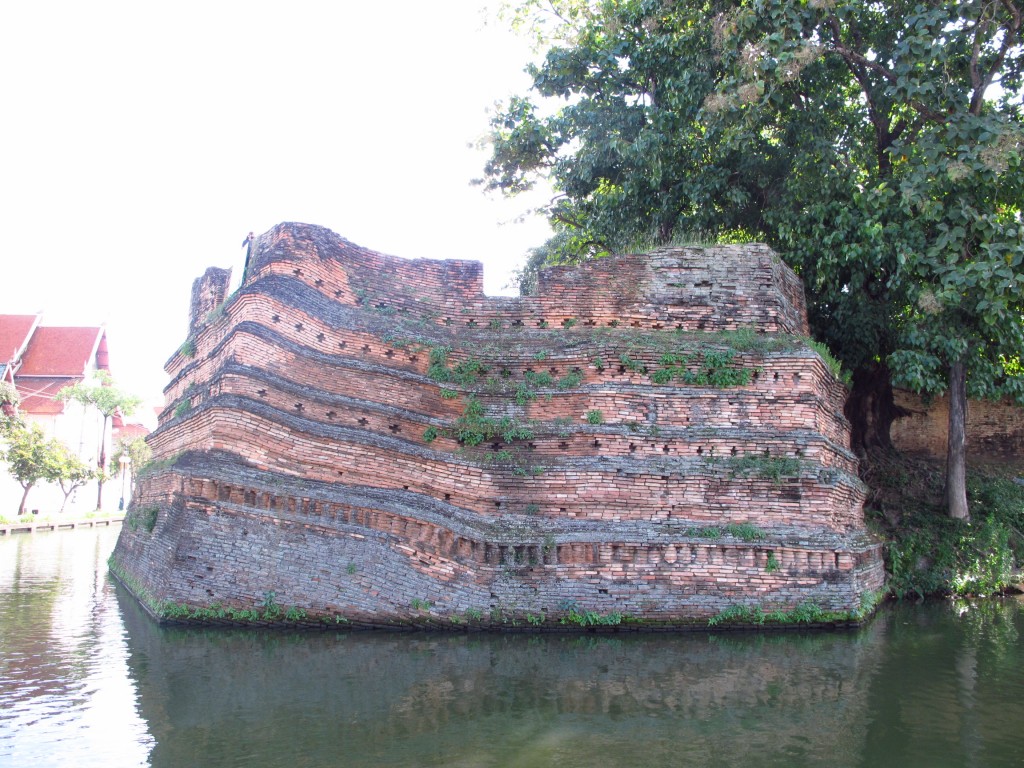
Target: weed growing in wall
[581,617]
[465,372]
[833,364]
[594,417]
[715,369]
[804,613]
[772,468]
[631,364]
[474,427]
[144,517]
[742,531]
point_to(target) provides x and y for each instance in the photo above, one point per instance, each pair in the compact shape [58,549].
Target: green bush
[929,553]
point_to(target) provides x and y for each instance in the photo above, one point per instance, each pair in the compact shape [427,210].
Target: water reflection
[65,695]
[88,677]
[225,698]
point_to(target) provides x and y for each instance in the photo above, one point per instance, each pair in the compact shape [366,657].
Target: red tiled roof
[15,331]
[39,394]
[131,431]
[63,351]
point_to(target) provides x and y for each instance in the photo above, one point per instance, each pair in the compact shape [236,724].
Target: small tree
[28,455]
[8,400]
[108,400]
[138,453]
[67,470]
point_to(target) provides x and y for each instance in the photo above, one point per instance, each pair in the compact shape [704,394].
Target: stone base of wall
[357,557]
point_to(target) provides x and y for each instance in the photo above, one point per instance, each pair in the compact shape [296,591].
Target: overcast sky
[142,141]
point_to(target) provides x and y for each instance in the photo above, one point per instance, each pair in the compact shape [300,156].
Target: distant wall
[994,429]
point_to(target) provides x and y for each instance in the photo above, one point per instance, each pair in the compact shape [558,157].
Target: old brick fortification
[372,441]
[995,430]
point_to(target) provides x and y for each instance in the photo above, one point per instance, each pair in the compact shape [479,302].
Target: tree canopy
[108,400]
[875,145]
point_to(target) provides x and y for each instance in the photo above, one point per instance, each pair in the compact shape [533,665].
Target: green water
[87,679]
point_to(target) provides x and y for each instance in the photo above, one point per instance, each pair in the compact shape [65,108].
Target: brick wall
[315,444]
[994,429]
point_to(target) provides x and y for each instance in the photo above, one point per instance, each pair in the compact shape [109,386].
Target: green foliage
[715,369]
[772,564]
[987,560]
[570,380]
[136,450]
[8,395]
[583,618]
[632,365]
[430,434]
[772,468]
[188,348]
[271,610]
[31,456]
[594,417]
[834,365]
[106,398]
[143,517]
[420,605]
[745,531]
[876,145]
[474,427]
[742,531]
[295,614]
[804,613]
[928,553]
[67,470]
[181,409]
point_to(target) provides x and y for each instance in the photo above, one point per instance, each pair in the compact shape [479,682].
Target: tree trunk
[103,464]
[956,455]
[24,497]
[871,409]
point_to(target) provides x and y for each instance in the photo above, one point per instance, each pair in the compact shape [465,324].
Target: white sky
[140,142]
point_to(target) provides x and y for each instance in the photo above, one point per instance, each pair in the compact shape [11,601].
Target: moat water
[87,679]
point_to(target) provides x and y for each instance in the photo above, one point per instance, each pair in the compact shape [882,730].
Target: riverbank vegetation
[929,553]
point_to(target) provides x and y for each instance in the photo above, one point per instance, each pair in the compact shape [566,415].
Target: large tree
[108,400]
[876,145]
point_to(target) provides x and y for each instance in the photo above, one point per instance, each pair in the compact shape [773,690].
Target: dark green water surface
[86,679]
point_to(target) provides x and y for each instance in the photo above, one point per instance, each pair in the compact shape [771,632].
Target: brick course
[308,449]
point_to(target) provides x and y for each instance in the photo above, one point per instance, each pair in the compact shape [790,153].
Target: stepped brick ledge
[359,440]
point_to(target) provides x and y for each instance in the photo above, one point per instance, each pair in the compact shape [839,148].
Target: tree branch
[981,81]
